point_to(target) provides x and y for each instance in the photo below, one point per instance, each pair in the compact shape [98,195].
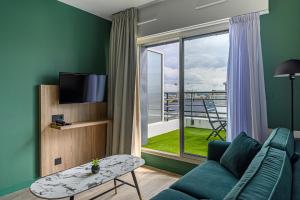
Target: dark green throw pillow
[239,154]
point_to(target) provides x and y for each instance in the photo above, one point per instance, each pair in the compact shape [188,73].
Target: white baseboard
[297,134]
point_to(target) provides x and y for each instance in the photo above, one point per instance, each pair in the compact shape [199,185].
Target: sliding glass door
[162,63]
[204,110]
[186,94]
[155,86]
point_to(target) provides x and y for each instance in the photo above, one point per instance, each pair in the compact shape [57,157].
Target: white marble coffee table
[68,183]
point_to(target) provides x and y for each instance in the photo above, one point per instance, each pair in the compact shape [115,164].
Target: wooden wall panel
[75,146]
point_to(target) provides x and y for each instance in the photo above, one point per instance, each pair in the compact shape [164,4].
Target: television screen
[81,88]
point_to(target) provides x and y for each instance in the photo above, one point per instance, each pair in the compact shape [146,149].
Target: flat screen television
[81,88]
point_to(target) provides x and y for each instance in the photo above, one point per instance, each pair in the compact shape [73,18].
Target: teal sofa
[274,173]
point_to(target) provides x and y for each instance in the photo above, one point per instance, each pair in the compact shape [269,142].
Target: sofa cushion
[269,176]
[239,154]
[216,149]
[172,194]
[296,180]
[282,138]
[209,181]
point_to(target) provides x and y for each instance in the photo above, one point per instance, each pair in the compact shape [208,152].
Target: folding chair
[217,124]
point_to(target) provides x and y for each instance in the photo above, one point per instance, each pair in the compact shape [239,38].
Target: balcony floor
[195,141]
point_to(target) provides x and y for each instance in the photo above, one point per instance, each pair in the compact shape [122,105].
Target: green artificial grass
[194,141]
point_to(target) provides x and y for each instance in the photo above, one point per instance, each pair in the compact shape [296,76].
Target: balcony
[163,135]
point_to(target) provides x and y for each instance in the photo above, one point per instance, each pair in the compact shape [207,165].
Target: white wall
[162,127]
[176,14]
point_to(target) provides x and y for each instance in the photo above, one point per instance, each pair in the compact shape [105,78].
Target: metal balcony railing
[193,104]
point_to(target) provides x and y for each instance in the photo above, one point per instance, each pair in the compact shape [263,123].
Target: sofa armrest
[216,149]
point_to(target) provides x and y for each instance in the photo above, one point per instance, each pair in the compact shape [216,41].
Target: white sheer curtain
[246,87]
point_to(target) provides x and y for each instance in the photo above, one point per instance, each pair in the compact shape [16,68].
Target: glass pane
[205,70]
[155,74]
[163,98]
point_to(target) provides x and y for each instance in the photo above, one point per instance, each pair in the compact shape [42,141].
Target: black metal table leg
[116,180]
[115,183]
[136,185]
[72,198]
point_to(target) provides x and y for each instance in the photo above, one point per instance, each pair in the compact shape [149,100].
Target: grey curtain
[122,135]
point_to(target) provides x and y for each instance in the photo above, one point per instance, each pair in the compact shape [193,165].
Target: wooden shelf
[81,124]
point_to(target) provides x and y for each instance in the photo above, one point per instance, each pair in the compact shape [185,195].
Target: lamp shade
[287,68]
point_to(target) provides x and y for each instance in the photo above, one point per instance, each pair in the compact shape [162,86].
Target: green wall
[280,31]
[38,39]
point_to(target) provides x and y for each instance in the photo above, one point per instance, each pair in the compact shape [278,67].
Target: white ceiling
[105,8]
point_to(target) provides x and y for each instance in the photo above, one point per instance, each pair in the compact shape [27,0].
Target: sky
[205,63]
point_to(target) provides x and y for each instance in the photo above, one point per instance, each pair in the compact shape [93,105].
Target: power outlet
[57,161]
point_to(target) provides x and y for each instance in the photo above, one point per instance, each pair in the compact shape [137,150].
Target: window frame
[180,37]
[182,91]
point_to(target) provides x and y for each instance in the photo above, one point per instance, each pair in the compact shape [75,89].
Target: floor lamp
[291,69]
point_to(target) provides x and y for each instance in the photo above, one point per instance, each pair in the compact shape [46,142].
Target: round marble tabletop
[79,179]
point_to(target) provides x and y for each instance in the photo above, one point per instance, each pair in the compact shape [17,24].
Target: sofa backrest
[282,138]
[269,176]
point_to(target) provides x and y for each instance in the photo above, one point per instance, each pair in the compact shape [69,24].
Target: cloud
[171,79]
[205,63]
[201,79]
[170,52]
[171,73]
[171,88]
[207,52]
